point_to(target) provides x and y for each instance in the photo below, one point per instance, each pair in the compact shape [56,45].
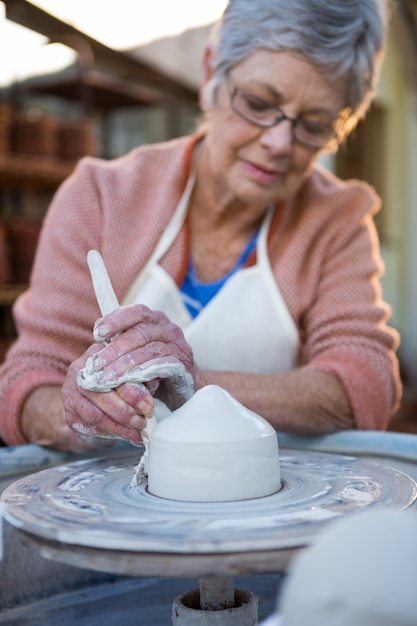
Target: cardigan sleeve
[54,316]
[344,327]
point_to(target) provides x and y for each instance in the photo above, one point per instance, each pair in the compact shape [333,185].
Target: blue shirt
[196,295]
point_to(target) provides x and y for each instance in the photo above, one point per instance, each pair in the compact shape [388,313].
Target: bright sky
[135,22]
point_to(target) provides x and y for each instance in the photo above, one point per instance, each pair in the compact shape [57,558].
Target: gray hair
[343,38]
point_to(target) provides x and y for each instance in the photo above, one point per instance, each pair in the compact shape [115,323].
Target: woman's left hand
[99,418]
[136,336]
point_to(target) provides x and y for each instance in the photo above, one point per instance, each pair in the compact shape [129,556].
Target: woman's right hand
[133,336]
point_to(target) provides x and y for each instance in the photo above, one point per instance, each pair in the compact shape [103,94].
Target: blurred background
[99,78]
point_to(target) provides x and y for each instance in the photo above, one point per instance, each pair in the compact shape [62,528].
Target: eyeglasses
[266,115]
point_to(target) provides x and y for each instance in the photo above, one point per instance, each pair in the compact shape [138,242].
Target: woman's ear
[207,63]
[207,83]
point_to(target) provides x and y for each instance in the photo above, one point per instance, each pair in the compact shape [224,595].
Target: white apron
[246,327]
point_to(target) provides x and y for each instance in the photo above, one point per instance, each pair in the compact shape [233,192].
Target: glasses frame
[280,117]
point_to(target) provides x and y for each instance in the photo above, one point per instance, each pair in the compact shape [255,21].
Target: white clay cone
[213,449]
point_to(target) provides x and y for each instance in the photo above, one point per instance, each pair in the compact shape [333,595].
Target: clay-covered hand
[108,392]
[100,418]
[144,347]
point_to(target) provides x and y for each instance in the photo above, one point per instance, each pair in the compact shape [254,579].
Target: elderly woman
[231,251]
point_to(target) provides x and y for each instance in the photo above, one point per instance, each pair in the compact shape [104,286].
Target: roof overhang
[112,78]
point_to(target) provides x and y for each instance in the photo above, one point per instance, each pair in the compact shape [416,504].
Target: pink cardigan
[323,252]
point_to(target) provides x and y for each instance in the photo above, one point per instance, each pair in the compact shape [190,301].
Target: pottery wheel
[88,509]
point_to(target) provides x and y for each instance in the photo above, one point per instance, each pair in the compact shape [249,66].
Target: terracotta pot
[76,139]
[6,273]
[35,135]
[5,127]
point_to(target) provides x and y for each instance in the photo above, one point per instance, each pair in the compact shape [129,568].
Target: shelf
[95,90]
[33,171]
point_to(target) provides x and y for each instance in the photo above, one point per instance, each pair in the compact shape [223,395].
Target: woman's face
[262,165]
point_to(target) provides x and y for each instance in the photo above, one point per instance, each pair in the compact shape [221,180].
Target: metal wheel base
[215,603]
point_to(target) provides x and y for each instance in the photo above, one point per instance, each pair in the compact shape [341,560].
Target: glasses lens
[254,109]
[313,133]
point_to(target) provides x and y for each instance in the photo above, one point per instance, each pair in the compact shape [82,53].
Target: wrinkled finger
[152,336]
[116,411]
[124,318]
[139,397]
[111,373]
[105,415]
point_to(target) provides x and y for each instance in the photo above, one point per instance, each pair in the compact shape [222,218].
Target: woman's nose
[279,139]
